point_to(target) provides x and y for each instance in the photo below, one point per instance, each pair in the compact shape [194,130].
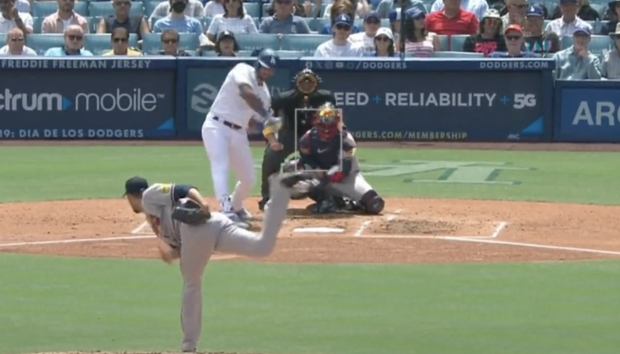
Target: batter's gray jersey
[158,201]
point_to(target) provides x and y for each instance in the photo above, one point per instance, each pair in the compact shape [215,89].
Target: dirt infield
[410,230]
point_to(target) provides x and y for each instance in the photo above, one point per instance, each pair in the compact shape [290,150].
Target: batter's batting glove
[189,212]
[274,123]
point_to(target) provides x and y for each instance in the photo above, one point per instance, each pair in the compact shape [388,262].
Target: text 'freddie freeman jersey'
[229,105]
[323,155]
[158,201]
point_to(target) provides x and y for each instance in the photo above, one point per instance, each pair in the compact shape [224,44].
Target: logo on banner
[523,100]
[33,102]
[203,97]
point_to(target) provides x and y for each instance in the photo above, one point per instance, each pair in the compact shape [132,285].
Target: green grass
[62,304]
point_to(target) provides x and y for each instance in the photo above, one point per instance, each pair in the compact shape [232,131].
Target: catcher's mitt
[189,212]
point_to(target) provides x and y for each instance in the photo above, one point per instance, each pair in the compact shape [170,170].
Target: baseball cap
[513,27]
[491,13]
[225,34]
[582,29]
[135,185]
[535,11]
[383,31]
[344,19]
[372,14]
[567,1]
[413,12]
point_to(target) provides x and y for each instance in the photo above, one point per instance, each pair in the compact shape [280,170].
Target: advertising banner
[203,84]
[589,114]
[81,102]
[395,104]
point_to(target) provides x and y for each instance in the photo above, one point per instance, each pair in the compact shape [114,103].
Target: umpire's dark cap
[135,185]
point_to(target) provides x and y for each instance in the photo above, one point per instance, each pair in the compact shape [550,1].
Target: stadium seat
[256,21]
[3,37]
[290,54]
[385,22]
[251,9]
[152,21]
[45,8]
[149,6]
[456,54]
[40,43]
[151,43]
[208,53]
[93,23]
[100,43]
[260,40]
[206,21]
[600,8]
[456,43]
[36,24]
[103,9]
[444,41]
[244,53]
[303,42]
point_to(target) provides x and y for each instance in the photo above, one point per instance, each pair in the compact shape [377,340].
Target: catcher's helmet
[266,58]
[327,120]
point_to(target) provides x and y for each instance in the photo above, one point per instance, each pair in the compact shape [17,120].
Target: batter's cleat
[290,179]
[244,215]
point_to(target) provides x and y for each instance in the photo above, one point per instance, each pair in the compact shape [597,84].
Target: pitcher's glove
[189,212]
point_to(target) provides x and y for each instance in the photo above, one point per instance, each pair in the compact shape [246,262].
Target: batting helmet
[266,58]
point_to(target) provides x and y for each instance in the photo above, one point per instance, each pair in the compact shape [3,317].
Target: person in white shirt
[566,25]
[214,8]
[233,19]
[243,97]
[15,40]
[340,46]
[372,22]
[12,18]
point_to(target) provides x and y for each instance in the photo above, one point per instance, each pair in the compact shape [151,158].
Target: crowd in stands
[581,36]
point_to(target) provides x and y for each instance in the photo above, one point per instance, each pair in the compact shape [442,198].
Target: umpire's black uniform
[284,106]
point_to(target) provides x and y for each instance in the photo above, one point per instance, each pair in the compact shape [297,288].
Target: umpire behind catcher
[305,95]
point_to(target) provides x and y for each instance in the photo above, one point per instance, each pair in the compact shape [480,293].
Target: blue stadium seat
[456,43]
[152,21]
[208,53]
[93,23]
[260,40]
[600,8]
[206,21]
[149,6]
[385,22]
[598,44]
[100,43]
[251,9]
[256,22]
[103,9]
[46,8]
[40,43]
[457,54]
[3,37]
[290,54]
[151,43]
[36,24]
[303,42]
[444,41]
[244,53]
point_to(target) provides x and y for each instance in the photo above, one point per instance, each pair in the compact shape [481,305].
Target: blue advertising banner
[386,103]
[588,113]
[87,99]
[203,81]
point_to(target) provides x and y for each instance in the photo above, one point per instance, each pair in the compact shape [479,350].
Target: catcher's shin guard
[372,202]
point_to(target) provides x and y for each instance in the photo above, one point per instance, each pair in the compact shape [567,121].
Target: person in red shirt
[451,20]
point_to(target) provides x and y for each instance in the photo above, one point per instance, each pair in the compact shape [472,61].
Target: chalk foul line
[139,229]
[531,245]
[74,240]
[364,225]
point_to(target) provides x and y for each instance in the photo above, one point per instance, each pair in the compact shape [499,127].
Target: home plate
[318,230]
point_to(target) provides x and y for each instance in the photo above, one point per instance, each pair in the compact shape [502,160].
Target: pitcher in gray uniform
[194,244]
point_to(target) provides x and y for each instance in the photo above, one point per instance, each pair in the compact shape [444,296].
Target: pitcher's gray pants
[220,234]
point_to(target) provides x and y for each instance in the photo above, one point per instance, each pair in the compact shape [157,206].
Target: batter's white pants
[228,147]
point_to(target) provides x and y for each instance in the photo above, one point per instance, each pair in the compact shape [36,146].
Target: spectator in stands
[74,43]
[490,37]
[614,8]
[584,12]
[234,19]
[395,23]
[226,45]
[193,8]
[15,40]
[384,44]
[13,18]
[283,21]
[121,18]
[23,6]
[170,43]
[516,13]
[535,40]
[178,20]
[339,7]
[452,20]
[386,7]
[340,45]
[120,43]
[301,10]
[359,7]
[478,7]
[576,62]
[418,41]
[214,8]
[514,37]
[610,68]
[65,16]
[565,26]
[372,22]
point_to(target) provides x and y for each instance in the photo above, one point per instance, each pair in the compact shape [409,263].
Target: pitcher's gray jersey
[158,201]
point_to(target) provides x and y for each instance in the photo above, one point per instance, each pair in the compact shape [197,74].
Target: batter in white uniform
[244,95]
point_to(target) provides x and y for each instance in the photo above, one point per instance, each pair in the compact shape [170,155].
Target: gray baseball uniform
[197,243]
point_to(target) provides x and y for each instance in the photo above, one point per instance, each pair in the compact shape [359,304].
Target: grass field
[57,304]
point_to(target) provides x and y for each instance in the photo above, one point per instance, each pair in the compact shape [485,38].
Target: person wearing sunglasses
[121,18]
[335,9]
[489,39]
[74,44]
[372,22]
[170,43]
[15,40]
[384,43]
[419,42]
[514,38]
[120,44]
[536,40]
[65,16]
[577,62]
[340,46]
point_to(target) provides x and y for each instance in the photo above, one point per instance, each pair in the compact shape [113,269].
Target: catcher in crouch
[320,149]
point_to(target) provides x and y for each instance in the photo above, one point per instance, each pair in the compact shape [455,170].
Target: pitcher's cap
[135,185]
